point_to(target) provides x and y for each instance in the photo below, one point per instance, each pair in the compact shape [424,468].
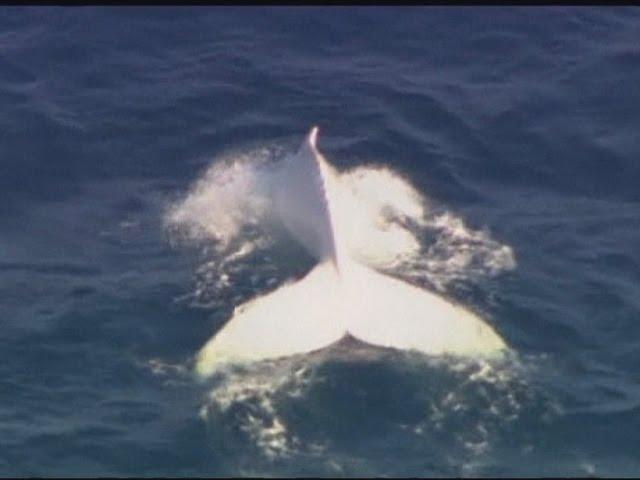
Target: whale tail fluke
[325,305]
[339,296]
[298,317]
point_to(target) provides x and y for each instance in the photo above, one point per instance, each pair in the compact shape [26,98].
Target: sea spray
[230,214]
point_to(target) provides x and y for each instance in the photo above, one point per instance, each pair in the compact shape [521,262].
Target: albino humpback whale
[339,296]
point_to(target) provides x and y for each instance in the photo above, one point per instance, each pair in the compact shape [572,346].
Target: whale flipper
[339,296]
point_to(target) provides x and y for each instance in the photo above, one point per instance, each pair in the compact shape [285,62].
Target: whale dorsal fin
[304,203]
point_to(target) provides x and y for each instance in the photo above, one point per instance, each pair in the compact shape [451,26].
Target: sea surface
[516,131]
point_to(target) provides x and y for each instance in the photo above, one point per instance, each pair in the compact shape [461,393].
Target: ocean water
[492,155]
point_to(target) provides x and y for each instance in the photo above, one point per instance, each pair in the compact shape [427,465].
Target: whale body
[338,297]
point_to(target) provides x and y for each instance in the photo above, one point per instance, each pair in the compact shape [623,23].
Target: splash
[230,214]
[374,216]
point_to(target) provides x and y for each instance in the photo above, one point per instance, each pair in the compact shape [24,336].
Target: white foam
[374,207]
[233,194]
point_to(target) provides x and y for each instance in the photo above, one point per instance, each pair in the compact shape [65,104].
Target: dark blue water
[523,121]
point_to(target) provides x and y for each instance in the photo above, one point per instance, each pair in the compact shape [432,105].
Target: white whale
[339,296]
